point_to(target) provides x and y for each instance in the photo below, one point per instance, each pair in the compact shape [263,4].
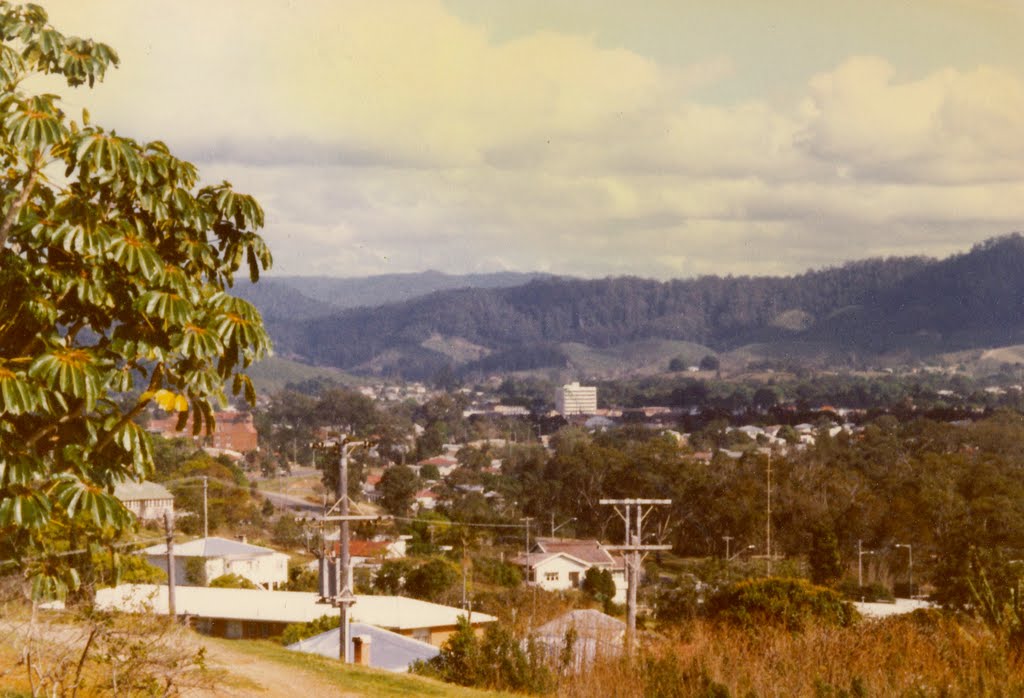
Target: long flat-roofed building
[576,399]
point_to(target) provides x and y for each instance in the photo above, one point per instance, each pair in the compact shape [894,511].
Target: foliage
[195,571]
[496,662]
[431,580]
[105,654]
[293,632]
[231,581]
[301,578]
[288,532]
[599,584]
[397,489]
[491,571]
[789,603]
[391,575]
[115,276]
[823,558]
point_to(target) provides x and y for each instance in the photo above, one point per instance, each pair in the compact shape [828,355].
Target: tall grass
[925,654]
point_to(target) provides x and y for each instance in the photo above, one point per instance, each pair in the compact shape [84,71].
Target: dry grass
[923,655]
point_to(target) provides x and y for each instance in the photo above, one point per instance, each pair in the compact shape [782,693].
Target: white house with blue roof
[264,567]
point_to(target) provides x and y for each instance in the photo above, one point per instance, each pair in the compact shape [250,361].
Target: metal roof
[132,491]
[388,650]
[212,547]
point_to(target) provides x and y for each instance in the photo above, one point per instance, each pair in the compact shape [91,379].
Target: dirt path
[250,676]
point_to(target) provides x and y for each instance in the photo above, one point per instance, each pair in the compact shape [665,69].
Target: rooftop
[392,612]
[211,547]
[133,491]
[388,650]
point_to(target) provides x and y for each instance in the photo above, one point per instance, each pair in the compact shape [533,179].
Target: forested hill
[878,305]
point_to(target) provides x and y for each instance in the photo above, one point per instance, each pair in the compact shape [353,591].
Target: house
[147,500]
[426,499]
[235,431]
[256,614]
[264,567]
[371,552]
[444,464]
[596,635]
[559,564]
[372,646]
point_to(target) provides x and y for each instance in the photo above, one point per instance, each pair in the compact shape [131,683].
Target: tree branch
[19,203]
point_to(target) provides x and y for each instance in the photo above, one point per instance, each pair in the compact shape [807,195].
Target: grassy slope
[272,374]
[351,680]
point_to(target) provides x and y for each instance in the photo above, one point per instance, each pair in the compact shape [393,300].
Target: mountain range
[865,311]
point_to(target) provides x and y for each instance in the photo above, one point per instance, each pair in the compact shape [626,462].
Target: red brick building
[235,431]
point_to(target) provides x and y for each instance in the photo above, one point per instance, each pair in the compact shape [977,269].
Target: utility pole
[169,530]
[206,527]
[632,514]
[860,563]
[768,519]
[727,539]
[340,593]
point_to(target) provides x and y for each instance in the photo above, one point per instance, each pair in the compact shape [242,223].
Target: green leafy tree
[114,278]
[599,584]
[824,560]
[398,487]
[431,580]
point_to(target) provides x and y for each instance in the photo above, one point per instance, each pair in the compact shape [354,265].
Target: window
[551,576]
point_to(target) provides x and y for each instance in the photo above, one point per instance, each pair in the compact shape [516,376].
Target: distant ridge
[372,291]
[912,306]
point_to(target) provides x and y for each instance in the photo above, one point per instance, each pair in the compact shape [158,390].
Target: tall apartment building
[576,399]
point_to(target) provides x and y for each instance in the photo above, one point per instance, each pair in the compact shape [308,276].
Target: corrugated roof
[211,547]
[589,623]
[590,551]
[392,612]
[132,491]
[388,650]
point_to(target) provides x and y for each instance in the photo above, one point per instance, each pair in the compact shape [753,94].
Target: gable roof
[388,650]
[211,547]
[589,623]
[392,612]
[588,550]
[134,491]
[534,560]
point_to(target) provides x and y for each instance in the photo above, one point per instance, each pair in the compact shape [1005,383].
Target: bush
[790,603]
[869,592]
[300,631]
[231,581]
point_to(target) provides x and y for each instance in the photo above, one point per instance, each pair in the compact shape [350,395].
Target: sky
[656,138]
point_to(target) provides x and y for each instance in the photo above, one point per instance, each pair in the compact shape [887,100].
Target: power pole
[340,593]
[169,530]
[632,513]
[768,519]
[206,528]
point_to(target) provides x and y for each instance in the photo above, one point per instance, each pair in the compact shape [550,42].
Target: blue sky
[659,138]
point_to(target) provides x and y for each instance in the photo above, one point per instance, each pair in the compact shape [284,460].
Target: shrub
[300,631]
[790,603]
[231,581]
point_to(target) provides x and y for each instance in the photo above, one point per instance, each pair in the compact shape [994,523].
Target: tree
[824,560]
[398,489]
[115,277]
[431,580]
[709,363]
[599,584]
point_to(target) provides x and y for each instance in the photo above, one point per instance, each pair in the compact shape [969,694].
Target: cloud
[399,136]
[948,126]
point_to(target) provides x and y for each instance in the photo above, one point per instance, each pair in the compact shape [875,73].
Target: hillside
[911,307]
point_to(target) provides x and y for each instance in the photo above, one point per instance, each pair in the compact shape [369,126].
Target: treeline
[867,306]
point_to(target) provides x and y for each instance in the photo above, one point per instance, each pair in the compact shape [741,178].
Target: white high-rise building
[576,399]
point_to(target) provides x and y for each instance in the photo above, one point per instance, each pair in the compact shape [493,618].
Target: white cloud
[397,136]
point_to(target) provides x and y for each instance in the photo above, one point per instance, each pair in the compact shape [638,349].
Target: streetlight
[564,523]
[910,567]
[727,539]
[741,551]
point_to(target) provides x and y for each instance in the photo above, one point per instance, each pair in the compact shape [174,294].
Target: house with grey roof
[587,633]
[557,564]
[200,561]
[371,646]
[147,500]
